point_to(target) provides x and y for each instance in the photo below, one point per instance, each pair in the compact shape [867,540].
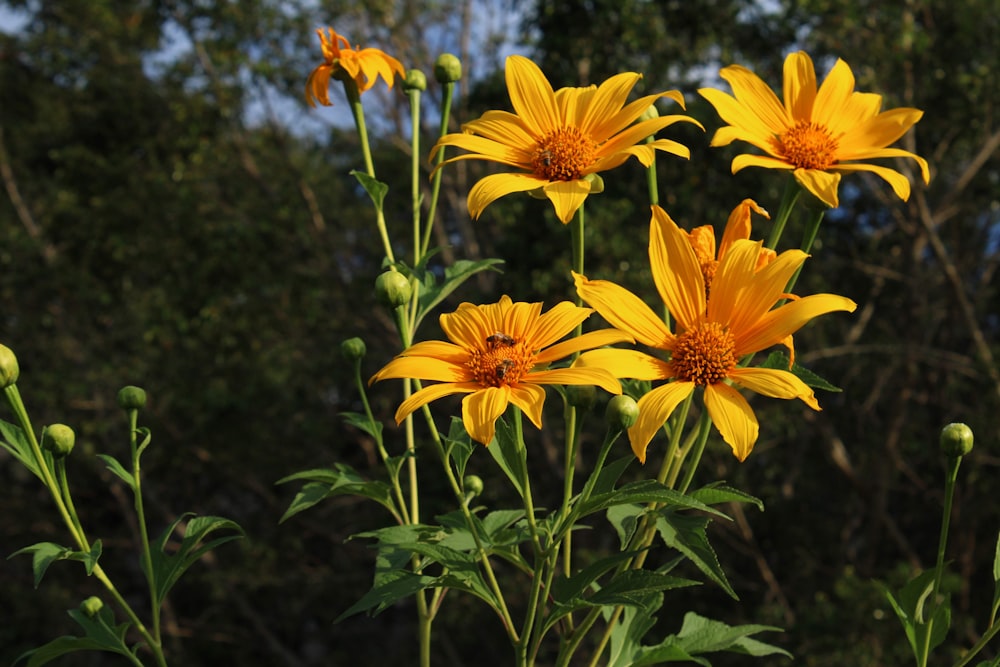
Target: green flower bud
[393,289]
[447,68]
[91,606]
[132,398]
[58,439]
[596,183]
[650,113]
[622,412]
[473,484]
[581,396]
[415,80]
[956,440]
[538,193]
[9,370]
[353,349]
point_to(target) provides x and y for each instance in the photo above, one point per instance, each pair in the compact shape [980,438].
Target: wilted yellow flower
[363,66]
[712,333]
[817,134]
[559,137]
[497,355]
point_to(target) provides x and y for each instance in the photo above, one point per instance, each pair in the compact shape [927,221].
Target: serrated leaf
[779,360]
[625,519]
[393,586]
[118,470]
[168,567]
[566,590]
[633,587]
[454,275]
[688,535]
[632,626]
[702,635]
[342,479]
[510,455]
[376,189]
[100,635]
[718,492]
[43,554]
[645,491]
[363,423]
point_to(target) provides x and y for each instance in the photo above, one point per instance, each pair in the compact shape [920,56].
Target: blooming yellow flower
[712,333]
[363,66]
[817,134]
[498,356]
[737,227]
[560,137]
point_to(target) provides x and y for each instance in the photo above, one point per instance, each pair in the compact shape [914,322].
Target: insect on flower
[503,367]
[499,338]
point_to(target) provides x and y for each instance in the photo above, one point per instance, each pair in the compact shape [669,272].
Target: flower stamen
[808,146]
[704,355]
[563,154]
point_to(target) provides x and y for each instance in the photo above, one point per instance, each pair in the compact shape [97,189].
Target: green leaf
[392,587]
[702,635]
[609,475]
[376,189]
[569,590]
[147,437]
[15,442]
[363,423]
[632,626]
[625,519]
[456,274]
[633,587]
[340,480]
[687,534]
[718,492]
[645,491]
[43,554]
[168,567]
[459,445]
[918,613]
[119,470]
[510,454]
[996,581]
[779,360]
[100,635]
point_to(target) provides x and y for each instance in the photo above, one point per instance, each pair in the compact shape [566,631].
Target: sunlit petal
[800,85]
[676,270]
[733,417]
[585,342]
[776,324]
[567,197]
[775,383]
[597,377]
[822,184]
[492,187]
[556,323]
[625,364]
[480,411]
[530,398]
[431,393]
[655,408]
[531,95]
[623,310]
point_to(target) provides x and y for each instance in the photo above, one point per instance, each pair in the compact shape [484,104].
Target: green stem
[60,466]
[788,199]
[808,238]
[949,496]
[576,228]
[654,192]
[140,512]
[414,96]
[704,424]
[979,645]
[448,93]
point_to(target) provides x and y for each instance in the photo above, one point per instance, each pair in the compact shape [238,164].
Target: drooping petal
[480,411]
[655,407]
[774,383]
[822,184]
[432,393]
[891,153]
[587,341]
[676,270]
[492,187]
[776,324]
[900,184]
[567,197]
[623,310]
[625,364]
[597,377]
[530,398]
[733,417]
[739,224]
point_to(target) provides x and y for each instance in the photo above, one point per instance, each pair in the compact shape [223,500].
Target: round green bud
[91,606]
[596,183]
[393,289]
[447,68]
[581,396]
[9,370]
[131,398]
[473,484]
[622,412]
[58,439]
[415,80]
[650,113]
[353,349]
[956,440]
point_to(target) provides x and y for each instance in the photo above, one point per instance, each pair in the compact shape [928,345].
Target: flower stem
[949,496]
[140,513]
[651,184]
[448,93]
[788,199]
[808,238]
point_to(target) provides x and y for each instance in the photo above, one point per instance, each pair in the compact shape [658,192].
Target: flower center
[808,146]
[563,154]
[502,361]
[704,355]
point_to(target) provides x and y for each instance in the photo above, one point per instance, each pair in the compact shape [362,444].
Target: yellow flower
[363,66]
[817,134]
[497,356]
[712,334]
[737,227]
[560,137]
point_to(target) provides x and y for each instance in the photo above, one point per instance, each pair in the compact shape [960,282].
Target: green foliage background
[174,217]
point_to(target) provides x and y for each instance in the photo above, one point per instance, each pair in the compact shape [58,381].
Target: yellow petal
[676,270]
[437,349]
[739,224]
[624,310]
[480,411]
[607,101]
[531,95]
[432,393]
[655,408]
[733,417]
[567,197]
[774,383]
[484,149]
[625,364]
[530,398]
[834,95]
[741,294]
[925,172]
[423,368]
[739,117]
[747,160]
[757,98]
[776,324]
[822,184]
[876,132]
[597,377]
[555,323]
[503,127]
[585,342]
[492,187]
[467,326]
[520,318]
[799,85]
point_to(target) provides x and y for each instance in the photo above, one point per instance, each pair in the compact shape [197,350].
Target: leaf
[168,567]
[456,274]
[340,480]
[645,491]
[17,444]
[119,470]
[147,437]
[510,454]
[100,635]
[920,614]
[996,582]
[459,445]
[625,519]
[687,534]
[609,475]
[43,554]
[376,189]
[567,590]
[632,587]
[363,423]
[395,586]
[779,360]
[718,492]
[632,626]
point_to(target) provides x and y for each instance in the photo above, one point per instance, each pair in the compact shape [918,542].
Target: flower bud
[393,289]
[596,183]
[473,484]
[622,412]
[91,606]
[58,439]
[956,440]
[9,370]
[581,396]
[650,113]
[447,68]
[132,398]
[415,80]
[353,349]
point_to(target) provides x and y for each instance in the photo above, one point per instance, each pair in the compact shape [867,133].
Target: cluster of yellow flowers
[725,306]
